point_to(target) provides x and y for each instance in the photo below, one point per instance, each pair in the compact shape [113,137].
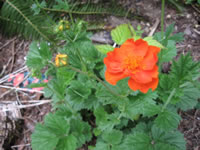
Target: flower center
[132,63]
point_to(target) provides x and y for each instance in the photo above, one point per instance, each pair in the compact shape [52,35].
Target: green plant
[86,107]
[124,119]
[36,19]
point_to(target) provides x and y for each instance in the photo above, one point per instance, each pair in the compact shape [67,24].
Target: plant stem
[169,99]
[71,18]
[162,18]
[29,21]
[111,91]
[38,4]
[58,94]
[82,62]
[98,79]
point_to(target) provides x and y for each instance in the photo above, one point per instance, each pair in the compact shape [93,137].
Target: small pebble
[187,31]
[196,25]
[189,46]
[176,28]
[194,35]
[168,16]
[148,24]
[188,16]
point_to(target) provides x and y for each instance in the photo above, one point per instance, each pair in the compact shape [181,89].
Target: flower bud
[61,60]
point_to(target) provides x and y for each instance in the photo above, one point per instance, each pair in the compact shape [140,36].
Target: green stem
[38,4]
[90,13]
[98,79]
[58,94]
[29,21]
[162,18]
[82,62]
[71,18]
[169,99]
[111,91]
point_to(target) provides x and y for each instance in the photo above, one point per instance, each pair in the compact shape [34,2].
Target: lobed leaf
[167,120]
[153,42]
[121,33]
[104,49]
[112,137]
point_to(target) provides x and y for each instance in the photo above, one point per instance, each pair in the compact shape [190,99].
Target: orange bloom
[61,60]
[134,59]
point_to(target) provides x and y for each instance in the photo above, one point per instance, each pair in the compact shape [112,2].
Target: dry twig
[155,26]
[21,89]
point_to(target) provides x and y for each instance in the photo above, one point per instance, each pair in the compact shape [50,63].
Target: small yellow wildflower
[61,60]
[61,27]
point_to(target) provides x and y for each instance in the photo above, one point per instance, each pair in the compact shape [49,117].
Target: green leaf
[105,120]
[101,115]
[104,49]
[102,146]
[141,127]
[153,42]
[42,139]
[61,5]
[47,136]
[121,33]
[168,36]
[81,130]
[36,85]
[139,141]
[169,30]
[34,60]
[185,69]
[167,120]
[65,75]
[56,125]
[77,93]
[198,105]
[164,146]
[47,92]
[183,72]
[64,111]
[56,89]
[67,143]
[107,97]
[141,104]
[169,53]
[87,51]
[173,140]
[190,98]
[45,51]
[112,137]
[38,56]
[36,9]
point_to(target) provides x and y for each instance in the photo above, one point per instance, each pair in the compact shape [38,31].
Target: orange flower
[134,59]
[61,60]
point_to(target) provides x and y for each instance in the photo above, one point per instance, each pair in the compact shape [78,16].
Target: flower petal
[155,49]
[143,87]
[145,76]
[141,48]
[149,61]
[142,77]
[126,49]
[112,65]
[112,78]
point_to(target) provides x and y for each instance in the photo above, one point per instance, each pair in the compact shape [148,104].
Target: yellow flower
[61,60]
[60,27]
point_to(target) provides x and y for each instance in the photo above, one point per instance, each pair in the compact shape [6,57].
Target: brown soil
[14,50]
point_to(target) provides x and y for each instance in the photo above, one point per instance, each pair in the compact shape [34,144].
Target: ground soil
[14,50]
